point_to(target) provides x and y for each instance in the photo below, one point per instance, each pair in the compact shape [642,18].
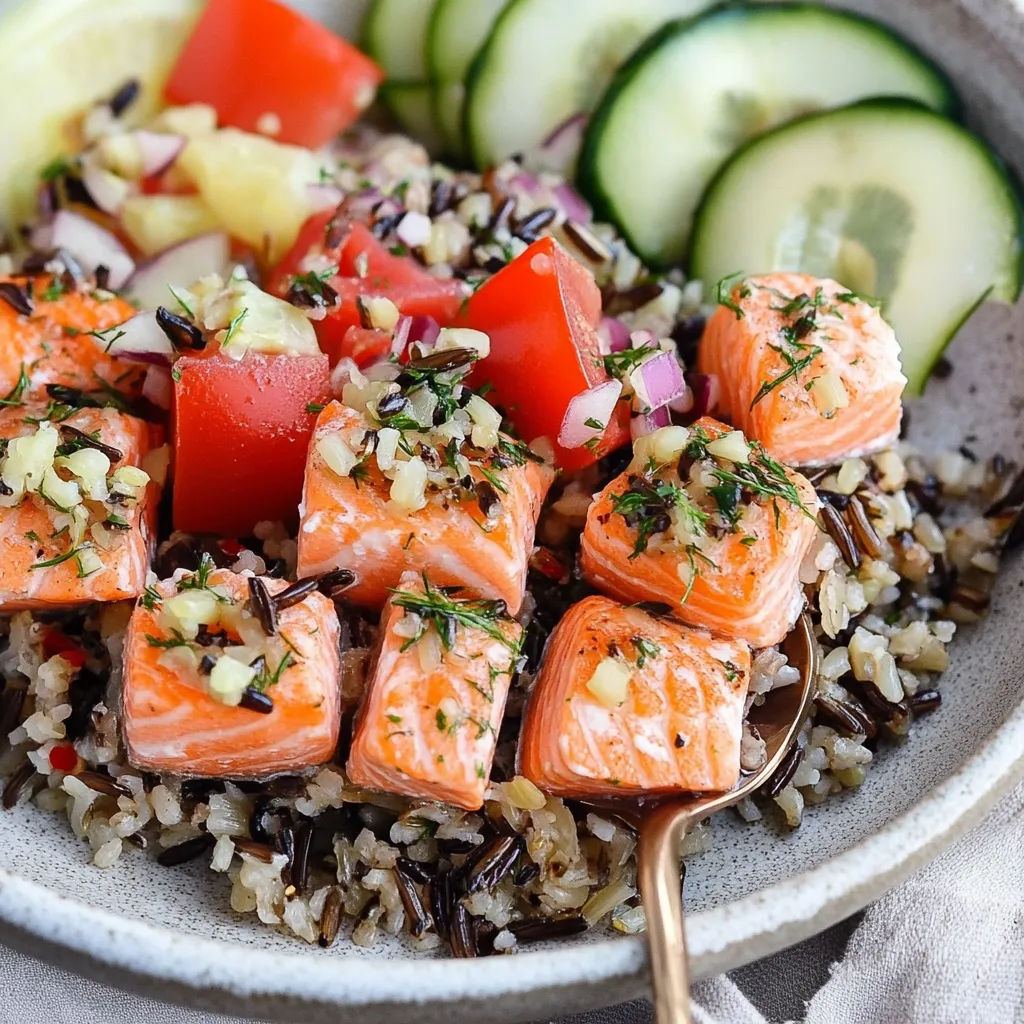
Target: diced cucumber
[395,36]
[888,197]
[457,30]
[699,89]
[412,105]
[546,60]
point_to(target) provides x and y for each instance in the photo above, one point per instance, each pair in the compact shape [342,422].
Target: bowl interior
[980,404]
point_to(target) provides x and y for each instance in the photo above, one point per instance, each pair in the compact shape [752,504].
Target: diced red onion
[612,334]
[323,197]
[525,182]
[658,380]
[90,244]
[158,387]
[573,205]
[684,403]
[107,190]
[342,374]
[141,340]
[648,423]
[178,267]
[414,330]
[159,150]
[596,404]
[706,393]
[559,150]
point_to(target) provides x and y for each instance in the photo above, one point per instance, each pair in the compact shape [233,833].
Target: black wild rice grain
[537,929]
[378,820]
[493,862]
[206,664]
[838,715]
[501,215]
[284,840]
[419,920]
[493,264]
[456,846]
[441,193]
[586,242]
[17,298]
[80,439]
[442,900]
[104,784]
[862,529]
[440,362]
[633,298]
[392,405]
[10,709]
[927,493]
[87,689]
[422,873]
[200,790]
[529,227]
[462,933]
[190,849]
[925,700]
[300,859]
[833,498]
[102,277]
[253,700]
[784,773]
[137,839]
[124,97]
[262,820]
[261,851]
[263,607]
[942,369]
[299,591]
[529,872]
[330,918]
[180,333]
[837,530]
[16,784]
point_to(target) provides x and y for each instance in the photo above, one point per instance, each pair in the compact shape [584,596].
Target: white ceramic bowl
[170,934]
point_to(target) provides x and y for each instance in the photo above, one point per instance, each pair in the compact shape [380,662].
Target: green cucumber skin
[1012,191]
[587,174]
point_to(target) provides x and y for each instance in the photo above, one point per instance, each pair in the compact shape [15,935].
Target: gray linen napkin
[946,947]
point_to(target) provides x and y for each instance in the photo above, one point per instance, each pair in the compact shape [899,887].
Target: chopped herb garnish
[480,773]
[33,536]
[445,613]
[265,678]
[646,507]
[54,292]
[236,322]
[56,168]
[167,643]
[594,424]
[394,718]
[200,579]
[725,288]
[49,563]
[181,302]
[14,396]
[644,649]
[793,368]
[314,407]
[621,364]
[150,598]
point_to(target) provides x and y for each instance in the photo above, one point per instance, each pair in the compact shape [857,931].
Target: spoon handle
[661,835]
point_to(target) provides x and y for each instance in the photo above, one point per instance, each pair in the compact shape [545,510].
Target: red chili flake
[231,548]
[55,642]
[63,758]
[547,562]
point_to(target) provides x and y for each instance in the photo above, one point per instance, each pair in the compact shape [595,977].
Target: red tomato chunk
[258,59]
[541,312]
[241,430]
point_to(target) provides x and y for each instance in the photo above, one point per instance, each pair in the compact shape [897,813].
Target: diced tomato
[365,267]
[241,429]
[55,642]
[365,346]
[541,312]
[251,59]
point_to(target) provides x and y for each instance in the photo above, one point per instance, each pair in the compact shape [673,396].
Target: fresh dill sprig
[645,649]
[200,579]
[646,506]
[437,608]
[14,396]
[168,642]
[725,288]
[264,679]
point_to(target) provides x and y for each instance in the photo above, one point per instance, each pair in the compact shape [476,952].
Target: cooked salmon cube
[208,691]
[806,367]
[711,525]
[479,538]
[433,705]
[628,704]
[78,501]
[53,335]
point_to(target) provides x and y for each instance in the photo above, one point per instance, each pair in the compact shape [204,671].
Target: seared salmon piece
[77,508]
[711,525]
[806,367]
[208,692]
[436,695]
[627,704]
[63,340]
[480,538]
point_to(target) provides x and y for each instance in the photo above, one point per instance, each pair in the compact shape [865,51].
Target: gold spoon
[663,824]
[662,828]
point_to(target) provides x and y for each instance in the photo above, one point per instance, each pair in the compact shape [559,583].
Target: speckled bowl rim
[720,938]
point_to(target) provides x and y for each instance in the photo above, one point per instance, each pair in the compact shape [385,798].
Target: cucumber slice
[546,60]
[395,36]
[457,30]
[886,196]
[101,44]
[412,105]
[698,89]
